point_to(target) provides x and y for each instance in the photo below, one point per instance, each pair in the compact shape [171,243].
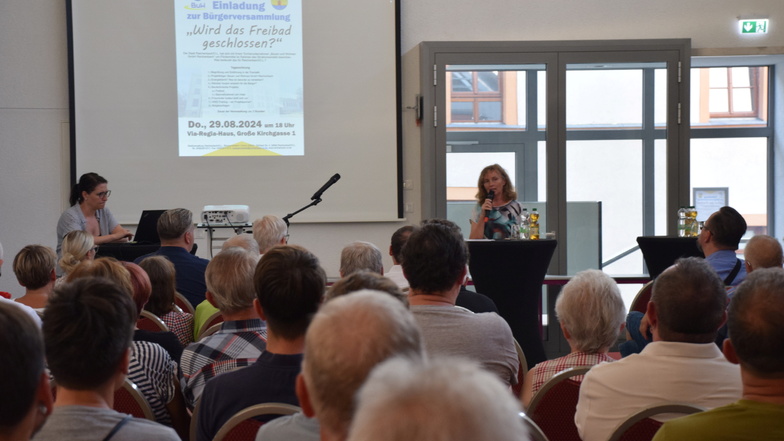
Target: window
[476,97]
[732,95]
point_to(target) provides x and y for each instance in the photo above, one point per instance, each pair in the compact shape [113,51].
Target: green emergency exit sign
[754,26]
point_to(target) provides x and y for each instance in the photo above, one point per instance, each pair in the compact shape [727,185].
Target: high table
[660,252]
[511,273]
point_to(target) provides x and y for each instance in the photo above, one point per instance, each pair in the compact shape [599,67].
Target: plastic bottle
[682,222]
[533,225]
[694,226]
[524,224]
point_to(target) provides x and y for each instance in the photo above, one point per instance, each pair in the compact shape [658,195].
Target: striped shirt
[547,369]
[236,345]
[154,372]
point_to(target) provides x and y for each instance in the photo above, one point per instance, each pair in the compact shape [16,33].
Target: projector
[225,214]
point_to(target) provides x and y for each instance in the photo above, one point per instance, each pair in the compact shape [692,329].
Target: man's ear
[208,295]
[729,352]
[301,388]
[259,310]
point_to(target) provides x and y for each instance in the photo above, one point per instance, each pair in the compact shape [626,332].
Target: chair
[150,322]
[522,370]
[195,419]
[183,303]
[534,432]
[213,320]
[243,425]
[642,427]
[129,399]
[640,302]
[554,405]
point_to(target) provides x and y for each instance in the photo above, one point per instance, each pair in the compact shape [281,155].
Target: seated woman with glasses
[88,213]
[77,247]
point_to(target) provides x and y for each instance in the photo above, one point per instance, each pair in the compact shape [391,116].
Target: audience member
[470,300]
[77,246]
[756,342]
[718,240]
[34,267]
[360,256]
[176,231]
[244,241]
[762,251]
[365,280]
[591,313]
[87,335]
[434,262]
[682,364]
[348,337]
[27,396]
[270,231]
[289,285]
[152,368]
[446,399]
[5,298]
[395,273]
[162,281]
[241,337]
[141,290]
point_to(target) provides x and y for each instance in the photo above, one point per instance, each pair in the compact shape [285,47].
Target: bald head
[347,338]
[762,251]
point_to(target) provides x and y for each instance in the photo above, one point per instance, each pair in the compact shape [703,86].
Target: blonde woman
[77,246]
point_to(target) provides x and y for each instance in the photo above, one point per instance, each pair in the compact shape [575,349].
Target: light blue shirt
[723,262]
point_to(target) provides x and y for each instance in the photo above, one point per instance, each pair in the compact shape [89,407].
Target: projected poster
[239,78]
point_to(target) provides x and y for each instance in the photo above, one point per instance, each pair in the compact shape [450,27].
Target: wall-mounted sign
[759,26]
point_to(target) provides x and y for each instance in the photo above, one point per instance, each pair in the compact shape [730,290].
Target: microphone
[491,196]
[324,187]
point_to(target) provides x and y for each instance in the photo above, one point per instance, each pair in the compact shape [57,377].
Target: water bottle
[694,226]
[533,225]
[524,225]
[682,222]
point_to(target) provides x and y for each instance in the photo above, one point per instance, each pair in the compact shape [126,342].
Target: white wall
[34,91]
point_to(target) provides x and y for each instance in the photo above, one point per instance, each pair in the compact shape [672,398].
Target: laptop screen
[147,231]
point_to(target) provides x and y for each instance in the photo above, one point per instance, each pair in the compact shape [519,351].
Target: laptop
[147,230]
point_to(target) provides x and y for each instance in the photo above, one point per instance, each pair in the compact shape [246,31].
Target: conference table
[511,273]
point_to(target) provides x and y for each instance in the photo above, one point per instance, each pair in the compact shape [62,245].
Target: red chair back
[642,427]
[640,302]
[213,320]
[243,425]
[150,322]
[554,405]
[183,303]
[129,399]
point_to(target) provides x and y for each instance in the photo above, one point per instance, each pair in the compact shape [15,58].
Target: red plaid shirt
[546,369]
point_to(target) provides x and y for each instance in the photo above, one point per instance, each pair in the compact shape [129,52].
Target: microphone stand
[290,215]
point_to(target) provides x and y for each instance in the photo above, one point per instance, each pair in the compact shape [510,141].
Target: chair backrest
[534,432]
[522,370]
[642,427]
[243,425]
[151,322]
[195,419]
[554,405]
[183,303]
[129,399]
[640,302]
[213,320]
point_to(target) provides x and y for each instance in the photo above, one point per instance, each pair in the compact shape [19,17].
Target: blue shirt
[723,262]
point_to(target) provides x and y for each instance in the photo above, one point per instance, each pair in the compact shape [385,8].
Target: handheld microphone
[491,196]
[324,187]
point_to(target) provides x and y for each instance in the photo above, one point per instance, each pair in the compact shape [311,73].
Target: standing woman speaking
[88,213]
[497,209]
